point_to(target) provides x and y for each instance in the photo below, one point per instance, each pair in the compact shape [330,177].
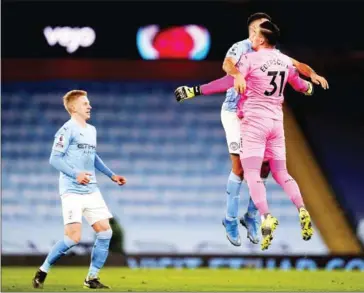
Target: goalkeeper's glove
[309,91]
[184,93]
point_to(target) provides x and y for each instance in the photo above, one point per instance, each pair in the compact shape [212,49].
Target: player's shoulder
[91,126]
[245,59]
[284,57]
[66,128]
[245,42]
[244,45]
[248,55]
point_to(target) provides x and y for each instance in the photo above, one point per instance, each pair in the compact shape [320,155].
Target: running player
[74,156]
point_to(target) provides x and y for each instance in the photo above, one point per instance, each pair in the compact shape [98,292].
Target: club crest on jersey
[234,146]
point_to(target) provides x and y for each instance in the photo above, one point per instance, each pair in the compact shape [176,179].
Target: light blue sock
[59,249]
[252,209]
[100,252]
[233,196]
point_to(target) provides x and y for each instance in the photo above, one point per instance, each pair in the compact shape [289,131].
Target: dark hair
[270,31]
[256,16]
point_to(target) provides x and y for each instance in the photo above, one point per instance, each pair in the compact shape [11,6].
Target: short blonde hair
[72,96]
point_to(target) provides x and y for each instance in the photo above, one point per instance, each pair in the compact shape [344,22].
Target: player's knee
[252,175]
[102,225]
[73,232]
[238,171]
[75,237]
[275,174]
[281,175]
[264,173]
[107,234]
[237,168]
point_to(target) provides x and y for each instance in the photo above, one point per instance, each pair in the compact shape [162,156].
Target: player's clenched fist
[118,179]
[184,92]
[83,177]
[309,91]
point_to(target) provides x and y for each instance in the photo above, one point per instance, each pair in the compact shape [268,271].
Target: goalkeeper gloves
[309,91]
[184,93]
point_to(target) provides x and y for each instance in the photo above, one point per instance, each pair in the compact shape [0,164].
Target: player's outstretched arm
[307,71]
[220,85]
[101,166]
[299,84]
[233,79]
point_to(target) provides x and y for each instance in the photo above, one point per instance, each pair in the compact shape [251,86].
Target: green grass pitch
[172,280]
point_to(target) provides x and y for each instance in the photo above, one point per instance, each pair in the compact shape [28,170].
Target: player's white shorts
[231,124]
[92,206]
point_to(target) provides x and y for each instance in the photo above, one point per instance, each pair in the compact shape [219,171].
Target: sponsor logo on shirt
[86,146]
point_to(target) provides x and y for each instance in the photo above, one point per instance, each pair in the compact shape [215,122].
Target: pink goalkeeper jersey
[266,73]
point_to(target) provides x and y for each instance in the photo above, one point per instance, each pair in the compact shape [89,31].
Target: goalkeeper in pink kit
[266,72]
[234,84]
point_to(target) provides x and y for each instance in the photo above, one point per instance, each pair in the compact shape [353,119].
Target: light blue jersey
[76,146]
[235,52]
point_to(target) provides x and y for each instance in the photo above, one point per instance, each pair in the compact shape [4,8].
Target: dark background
[311,26]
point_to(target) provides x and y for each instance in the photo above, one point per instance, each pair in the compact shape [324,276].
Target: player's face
[257,40]
[83,108]
[254,27]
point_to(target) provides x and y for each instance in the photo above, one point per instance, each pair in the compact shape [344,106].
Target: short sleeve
[237,50]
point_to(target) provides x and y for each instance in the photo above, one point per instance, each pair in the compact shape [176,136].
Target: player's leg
[230,123]
[280,174]
[254,132]
[72,218]
[250,220]
[97,215]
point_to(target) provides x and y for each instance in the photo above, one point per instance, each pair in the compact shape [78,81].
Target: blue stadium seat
[174,155]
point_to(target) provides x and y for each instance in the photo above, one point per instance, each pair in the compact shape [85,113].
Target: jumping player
[266,72]
[231,126]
